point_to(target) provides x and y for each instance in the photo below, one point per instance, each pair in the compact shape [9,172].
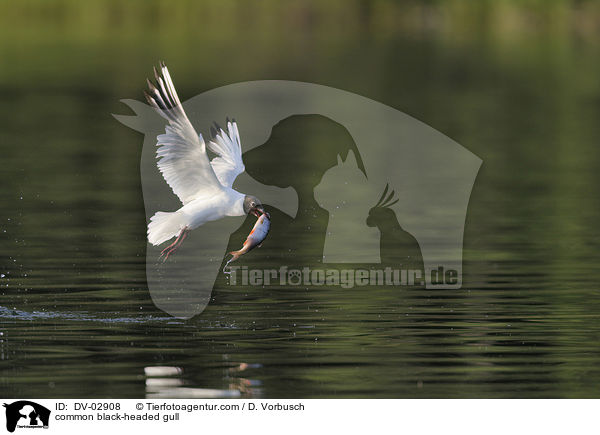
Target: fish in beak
[253,206]
[255,238]
[258,211]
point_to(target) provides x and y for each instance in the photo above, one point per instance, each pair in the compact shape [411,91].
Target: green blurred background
[517,82]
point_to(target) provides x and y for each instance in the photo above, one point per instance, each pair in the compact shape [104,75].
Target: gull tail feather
[164,226]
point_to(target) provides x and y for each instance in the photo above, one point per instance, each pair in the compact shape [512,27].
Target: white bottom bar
[264,416]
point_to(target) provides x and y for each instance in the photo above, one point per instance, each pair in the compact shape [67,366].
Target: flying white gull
[204,186]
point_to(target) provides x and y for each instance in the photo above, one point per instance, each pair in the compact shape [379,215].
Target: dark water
[517,86]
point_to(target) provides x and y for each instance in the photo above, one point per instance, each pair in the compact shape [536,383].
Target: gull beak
[258,211]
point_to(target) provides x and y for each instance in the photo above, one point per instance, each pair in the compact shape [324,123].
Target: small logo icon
[26,414]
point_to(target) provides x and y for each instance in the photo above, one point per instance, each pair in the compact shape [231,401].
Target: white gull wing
[181,152]
[228,165]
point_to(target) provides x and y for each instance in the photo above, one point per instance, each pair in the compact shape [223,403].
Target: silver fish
[257,235]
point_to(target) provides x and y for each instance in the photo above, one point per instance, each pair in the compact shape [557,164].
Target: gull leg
[169,247]
[173,246]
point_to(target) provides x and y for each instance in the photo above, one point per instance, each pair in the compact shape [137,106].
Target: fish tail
[235,255]
[239,253]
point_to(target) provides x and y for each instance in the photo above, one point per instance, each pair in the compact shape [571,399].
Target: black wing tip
[154,100]
[151,100]
[229,120]
[159,96]
[151,85]
[216,128]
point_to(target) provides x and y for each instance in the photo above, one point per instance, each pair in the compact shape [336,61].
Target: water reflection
[168,382]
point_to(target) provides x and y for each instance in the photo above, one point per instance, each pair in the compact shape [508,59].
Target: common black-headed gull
[204,186]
